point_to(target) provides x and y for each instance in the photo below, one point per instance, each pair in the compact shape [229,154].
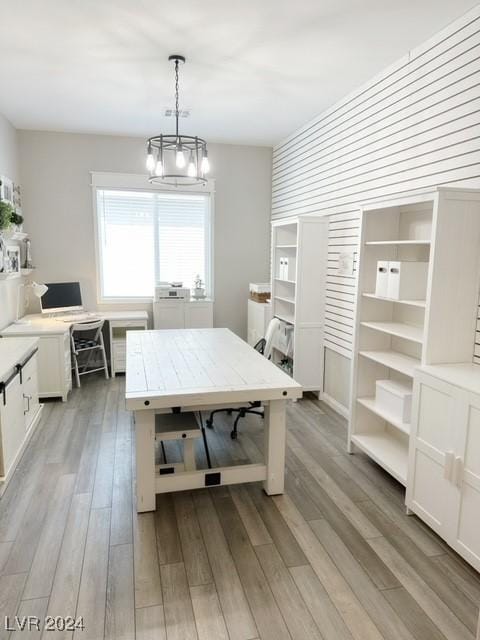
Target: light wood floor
[335,558]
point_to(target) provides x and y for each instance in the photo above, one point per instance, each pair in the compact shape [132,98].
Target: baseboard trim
[335,405]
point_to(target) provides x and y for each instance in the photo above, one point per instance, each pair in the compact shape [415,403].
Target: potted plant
[199,288]
[6,213]
[17,220]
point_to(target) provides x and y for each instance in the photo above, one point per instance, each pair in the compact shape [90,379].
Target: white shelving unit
[297,298]
[394,337]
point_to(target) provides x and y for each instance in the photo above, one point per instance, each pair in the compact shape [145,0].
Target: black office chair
[242,411]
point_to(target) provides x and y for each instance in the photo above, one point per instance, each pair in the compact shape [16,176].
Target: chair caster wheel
[209,424]
[233,435]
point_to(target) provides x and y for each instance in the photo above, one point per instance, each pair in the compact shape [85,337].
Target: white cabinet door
[466,477]
[169,315]
[430,492]
[50,366]
[30,391]
[198,315]
[12,424]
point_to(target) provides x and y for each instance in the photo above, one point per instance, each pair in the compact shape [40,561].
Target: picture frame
[12,259]
[6,190]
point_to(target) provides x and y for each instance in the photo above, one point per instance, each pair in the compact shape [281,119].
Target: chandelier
[177,159]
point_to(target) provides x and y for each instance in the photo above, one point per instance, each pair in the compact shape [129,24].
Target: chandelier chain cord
[176,96]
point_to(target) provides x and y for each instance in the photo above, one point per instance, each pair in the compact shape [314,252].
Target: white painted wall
[9,168]
[57,194]
[414,126]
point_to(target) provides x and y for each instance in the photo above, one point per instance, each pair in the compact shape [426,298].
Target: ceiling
[256,69]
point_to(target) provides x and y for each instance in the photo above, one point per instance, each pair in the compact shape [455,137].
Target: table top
[38,324]
[12,352]
[195,367]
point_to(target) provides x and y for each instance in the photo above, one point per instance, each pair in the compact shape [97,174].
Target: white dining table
[201,370]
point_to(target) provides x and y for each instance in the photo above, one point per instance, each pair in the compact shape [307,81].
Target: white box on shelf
[381,288]
[407,280]
[395,397]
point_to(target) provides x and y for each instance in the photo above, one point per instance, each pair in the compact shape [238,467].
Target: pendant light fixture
[177,159]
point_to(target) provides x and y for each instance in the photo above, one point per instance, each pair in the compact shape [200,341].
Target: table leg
[275,442]
[145,456]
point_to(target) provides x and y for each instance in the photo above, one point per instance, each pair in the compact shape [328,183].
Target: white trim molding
[110,180]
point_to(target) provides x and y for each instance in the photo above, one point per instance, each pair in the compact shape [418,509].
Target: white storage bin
[407,280]
[395,397]
[381,288]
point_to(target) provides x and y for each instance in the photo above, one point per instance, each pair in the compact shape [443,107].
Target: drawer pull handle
[458,472]
[448,468]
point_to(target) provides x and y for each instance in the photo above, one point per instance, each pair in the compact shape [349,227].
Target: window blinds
[147,237]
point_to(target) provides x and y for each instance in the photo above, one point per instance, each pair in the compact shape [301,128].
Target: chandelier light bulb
[159,168]
[192,169]
[180,159]
[150,161]
[205,164]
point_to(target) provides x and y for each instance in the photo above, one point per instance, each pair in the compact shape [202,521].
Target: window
[146,237]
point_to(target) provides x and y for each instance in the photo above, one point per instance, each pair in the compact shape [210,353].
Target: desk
[199,369]
[54,362]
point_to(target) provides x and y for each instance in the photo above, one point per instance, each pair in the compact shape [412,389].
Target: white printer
[171,291]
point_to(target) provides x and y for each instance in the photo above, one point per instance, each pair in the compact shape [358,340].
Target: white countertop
[12,352]
[38,324]
[465,374]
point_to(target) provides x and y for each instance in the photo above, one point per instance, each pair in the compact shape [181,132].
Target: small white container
[395,398]
[381,287]
[407,280]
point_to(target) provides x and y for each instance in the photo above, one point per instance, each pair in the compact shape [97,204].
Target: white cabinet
[19,407]
[118,341]
[299,267]
[198,315]
[259,315]
[54,362]
[179,314]
[12,424]
[444,460]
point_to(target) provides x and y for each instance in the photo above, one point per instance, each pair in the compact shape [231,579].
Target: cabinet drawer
[119,348]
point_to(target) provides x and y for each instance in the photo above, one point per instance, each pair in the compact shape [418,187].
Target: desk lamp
[38,291]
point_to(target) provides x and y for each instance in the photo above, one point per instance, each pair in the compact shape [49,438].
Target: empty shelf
[390,451]
[372,405]
[394,360]
[398,242]
[412,303]
[398,329]
[289,300]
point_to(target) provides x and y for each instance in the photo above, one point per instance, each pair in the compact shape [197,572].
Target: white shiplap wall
[415,126]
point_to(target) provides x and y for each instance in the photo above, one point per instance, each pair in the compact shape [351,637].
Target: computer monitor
[61,296]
